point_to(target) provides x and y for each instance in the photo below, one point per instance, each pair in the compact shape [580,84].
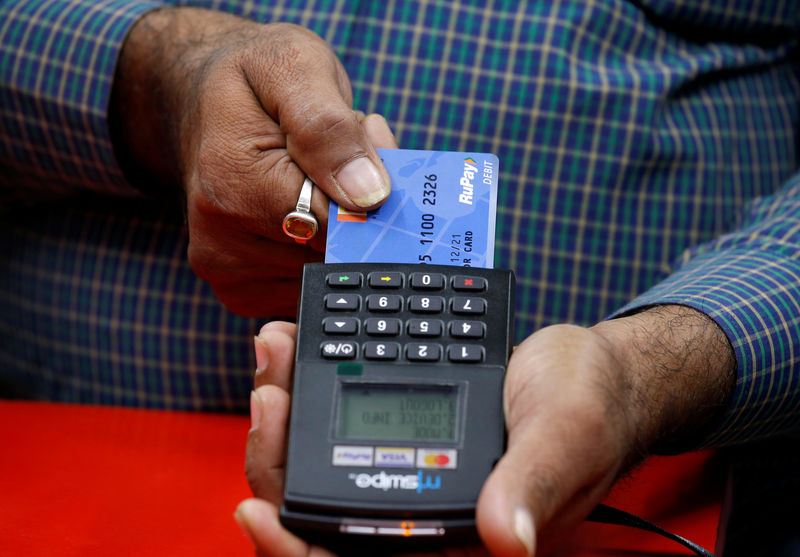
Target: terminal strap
[609,515]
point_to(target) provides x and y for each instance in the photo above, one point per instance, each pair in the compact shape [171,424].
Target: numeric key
[427,281]
[426,304]
[425,327]
[384,302]
[383,326]
[469,305]
[381,350]
[467,329]
[423,352]
[471,353]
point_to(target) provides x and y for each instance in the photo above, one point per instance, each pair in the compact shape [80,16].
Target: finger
[307,92]
[378,132]
[242,178]
[563,448]
[274,347]
[319,207]
[266,452]
[505,525]
[380,135]
[528,501]
[279,326]
[259,520]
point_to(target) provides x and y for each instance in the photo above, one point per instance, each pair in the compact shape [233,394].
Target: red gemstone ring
[300,224]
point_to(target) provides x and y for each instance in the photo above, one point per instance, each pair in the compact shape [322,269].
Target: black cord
[609,515]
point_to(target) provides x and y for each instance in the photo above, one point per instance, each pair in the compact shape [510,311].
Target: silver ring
[301,225]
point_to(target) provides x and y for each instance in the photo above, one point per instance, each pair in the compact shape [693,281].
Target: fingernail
[255,410]
[523,528]
[362,182]
[262,354]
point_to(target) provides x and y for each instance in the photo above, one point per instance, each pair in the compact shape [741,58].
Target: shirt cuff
[751,289]
[64,53]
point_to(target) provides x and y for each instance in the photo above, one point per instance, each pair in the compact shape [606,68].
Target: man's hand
[582,406]
[236,113]
[585,405]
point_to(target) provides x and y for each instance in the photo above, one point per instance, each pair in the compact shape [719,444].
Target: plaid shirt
[647,155]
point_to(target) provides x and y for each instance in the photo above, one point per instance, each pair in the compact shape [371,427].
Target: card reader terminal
[397,414]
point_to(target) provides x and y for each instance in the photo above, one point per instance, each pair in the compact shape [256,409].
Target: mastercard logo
[437,460]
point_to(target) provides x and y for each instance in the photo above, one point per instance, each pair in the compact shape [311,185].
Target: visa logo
[394,456]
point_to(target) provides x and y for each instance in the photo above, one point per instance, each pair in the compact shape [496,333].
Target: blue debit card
[442,210]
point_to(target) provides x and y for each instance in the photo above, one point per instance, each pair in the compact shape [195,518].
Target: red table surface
[92,480]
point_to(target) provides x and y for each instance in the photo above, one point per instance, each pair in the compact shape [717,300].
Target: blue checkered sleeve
[57,59]
[748,281]
[628,133]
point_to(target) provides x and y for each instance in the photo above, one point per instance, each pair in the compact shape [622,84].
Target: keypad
[420,348]
[412,315]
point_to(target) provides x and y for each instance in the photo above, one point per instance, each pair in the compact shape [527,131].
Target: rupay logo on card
[442,210]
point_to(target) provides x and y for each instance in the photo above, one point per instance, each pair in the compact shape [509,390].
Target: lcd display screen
[396,412]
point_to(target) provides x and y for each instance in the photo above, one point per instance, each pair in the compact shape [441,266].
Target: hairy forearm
[680,371]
